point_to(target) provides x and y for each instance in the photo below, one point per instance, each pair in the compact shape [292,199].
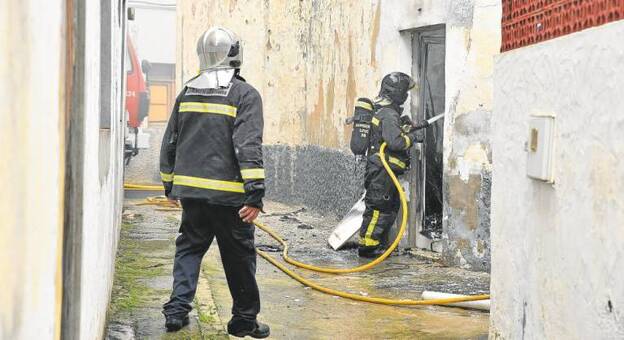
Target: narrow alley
[320,169]
[143,282]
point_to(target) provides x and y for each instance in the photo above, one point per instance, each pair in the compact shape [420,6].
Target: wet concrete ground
[143,281]
[296,312]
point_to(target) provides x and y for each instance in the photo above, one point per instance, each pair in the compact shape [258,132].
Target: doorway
[428,69]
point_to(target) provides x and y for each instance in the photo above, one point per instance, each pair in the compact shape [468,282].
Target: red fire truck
[137,102]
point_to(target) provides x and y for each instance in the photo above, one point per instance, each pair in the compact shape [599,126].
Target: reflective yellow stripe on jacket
[166,177]
[375,121]
[219,109]
[252,173]
[210,184]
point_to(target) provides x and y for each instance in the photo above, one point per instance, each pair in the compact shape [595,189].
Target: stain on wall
[301,55]
[473,39]
[375,35]
[467,188]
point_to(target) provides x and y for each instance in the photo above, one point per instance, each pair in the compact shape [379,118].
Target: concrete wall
[311,59]
[33,141]
[557,257]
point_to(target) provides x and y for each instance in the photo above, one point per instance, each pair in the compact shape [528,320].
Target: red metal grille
[527,22]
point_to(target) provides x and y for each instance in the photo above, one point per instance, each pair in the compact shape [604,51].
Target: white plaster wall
[102,186]
[558,250]
[32,168]
[32,135]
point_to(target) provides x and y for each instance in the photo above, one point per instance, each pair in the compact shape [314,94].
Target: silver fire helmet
[219,48]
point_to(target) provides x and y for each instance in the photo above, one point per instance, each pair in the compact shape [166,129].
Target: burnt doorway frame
[421,39]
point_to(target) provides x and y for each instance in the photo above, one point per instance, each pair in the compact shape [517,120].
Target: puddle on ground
[120,331]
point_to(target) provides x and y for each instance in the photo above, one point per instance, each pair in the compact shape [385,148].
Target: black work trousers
[201,223]
[382,206]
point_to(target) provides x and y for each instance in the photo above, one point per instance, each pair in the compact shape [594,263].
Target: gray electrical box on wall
[540,148]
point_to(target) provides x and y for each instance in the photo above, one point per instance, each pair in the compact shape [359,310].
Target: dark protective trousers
[201,223]
[382,206]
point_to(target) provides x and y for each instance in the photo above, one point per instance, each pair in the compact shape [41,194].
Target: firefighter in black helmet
[382,198]
[211,159]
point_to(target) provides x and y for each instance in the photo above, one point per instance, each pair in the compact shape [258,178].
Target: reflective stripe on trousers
[368,240]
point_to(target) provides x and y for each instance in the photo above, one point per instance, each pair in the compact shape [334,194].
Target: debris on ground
[305,226]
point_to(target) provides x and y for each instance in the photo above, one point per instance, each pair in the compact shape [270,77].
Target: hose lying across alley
[375,262]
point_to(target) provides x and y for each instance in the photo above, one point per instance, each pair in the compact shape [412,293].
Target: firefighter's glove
[405,120]
[254,192]
[421,125]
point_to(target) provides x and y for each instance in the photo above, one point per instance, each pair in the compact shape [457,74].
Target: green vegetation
[132,269]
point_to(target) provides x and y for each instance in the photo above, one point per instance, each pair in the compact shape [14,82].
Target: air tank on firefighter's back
[362,119]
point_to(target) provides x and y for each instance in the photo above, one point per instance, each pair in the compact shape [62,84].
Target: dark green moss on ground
[132,270]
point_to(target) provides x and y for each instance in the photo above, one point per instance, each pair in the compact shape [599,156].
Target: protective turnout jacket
[386,127]
[212,147]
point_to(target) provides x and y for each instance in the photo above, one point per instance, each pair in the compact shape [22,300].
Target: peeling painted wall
[473,38]
[558,254]
[311,59]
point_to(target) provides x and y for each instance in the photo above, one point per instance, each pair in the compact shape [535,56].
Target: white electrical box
[540,148]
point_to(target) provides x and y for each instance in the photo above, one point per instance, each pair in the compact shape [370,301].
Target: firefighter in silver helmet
[382,198]
[211,160]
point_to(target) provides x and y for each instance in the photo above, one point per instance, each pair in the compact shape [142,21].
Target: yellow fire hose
[330,291]
[143,187]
